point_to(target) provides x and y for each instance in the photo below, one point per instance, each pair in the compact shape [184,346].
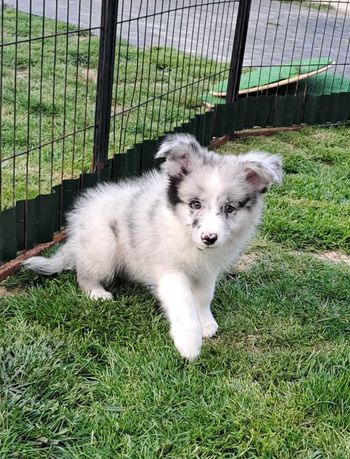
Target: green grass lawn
[312,5]
[48,91]
[311,210]
[89,379]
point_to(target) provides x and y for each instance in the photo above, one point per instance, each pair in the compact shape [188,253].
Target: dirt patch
[4,292]
[11,291]
[246,261]
[333,257]
[90,74]
[22,74]
[307,202]
[322,136]
[249,343]
[119,109]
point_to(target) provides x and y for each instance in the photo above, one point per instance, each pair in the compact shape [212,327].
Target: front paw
[209,328]
[187,341]
[100,294]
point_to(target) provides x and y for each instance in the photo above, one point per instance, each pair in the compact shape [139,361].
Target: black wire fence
[300,55]
[88,88]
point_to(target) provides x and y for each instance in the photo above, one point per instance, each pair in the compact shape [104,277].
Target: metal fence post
[238,49]
[109,11]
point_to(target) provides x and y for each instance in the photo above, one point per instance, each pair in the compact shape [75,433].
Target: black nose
[209,238]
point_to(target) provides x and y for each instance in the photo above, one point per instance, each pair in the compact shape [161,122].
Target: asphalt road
[278,31]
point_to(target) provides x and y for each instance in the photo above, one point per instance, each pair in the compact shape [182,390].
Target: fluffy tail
[61,260]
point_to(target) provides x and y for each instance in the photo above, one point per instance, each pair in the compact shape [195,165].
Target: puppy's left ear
[182,153]
[262,169]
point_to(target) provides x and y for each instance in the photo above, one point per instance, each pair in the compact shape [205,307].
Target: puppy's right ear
[182,153]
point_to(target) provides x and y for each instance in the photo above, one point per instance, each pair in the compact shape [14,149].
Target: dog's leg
[203,291]
[93,288]
[174,292]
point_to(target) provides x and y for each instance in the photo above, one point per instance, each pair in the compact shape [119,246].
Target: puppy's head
[213,195]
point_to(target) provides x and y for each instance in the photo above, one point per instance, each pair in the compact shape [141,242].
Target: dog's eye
[229,208]
[195,204]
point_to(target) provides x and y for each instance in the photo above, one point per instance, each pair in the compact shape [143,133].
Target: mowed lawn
[92,379]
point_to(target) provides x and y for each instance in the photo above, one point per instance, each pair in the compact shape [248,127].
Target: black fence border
[35,221]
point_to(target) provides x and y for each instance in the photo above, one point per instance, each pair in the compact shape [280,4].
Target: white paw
[209,328]
[100,294]
[187,341]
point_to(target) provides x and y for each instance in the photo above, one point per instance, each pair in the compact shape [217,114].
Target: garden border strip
[12,266]
[23,226]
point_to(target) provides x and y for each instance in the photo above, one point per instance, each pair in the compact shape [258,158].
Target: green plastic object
[277,75]
[328,83]
[321,84]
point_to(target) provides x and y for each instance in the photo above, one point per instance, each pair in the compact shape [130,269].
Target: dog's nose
[209,238]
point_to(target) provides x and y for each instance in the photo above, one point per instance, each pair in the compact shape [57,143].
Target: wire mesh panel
[52,63]
[297,57]
[168,54]
[47,69]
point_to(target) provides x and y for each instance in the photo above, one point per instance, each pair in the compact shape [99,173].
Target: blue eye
[195,204]
[229,208]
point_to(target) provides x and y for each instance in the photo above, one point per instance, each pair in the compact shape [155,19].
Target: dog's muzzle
[209,238]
